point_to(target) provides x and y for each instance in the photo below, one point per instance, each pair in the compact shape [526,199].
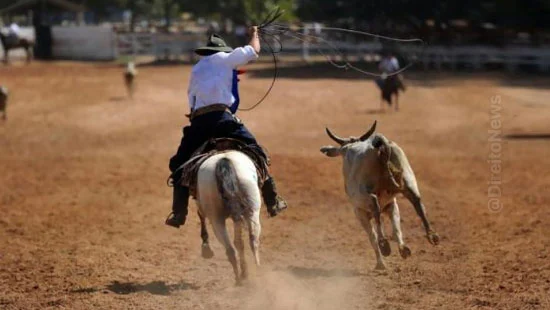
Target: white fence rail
[437,57]
[100,43]
[162,46]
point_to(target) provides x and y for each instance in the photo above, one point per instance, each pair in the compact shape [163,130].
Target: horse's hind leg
[206,251]
[239,244]
[220,230]
[254,231]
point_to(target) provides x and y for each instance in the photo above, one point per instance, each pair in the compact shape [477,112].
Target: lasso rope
[285,30]
[270,18]
[268,28]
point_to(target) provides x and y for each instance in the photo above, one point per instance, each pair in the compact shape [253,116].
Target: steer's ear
[331,151]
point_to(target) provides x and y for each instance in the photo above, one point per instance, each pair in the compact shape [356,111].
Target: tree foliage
[519,14]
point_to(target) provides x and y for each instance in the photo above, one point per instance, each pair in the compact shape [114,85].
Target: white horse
[227,186]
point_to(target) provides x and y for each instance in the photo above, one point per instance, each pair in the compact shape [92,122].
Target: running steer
[375,171]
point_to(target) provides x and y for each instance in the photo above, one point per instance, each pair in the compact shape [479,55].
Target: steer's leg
[365,220]
[382,241]
[396,225]
[413,195]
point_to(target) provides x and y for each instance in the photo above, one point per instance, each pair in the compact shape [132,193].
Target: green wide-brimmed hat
[215,44]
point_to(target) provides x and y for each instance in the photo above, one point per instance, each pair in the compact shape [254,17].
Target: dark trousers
[203,128]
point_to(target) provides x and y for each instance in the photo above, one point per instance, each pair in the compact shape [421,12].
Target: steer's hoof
[207,251]
[433,237]
[380,266]
[404,251]
[384,246]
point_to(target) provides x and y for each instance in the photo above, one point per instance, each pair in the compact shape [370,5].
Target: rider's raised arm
[254,39]
[239,56]
[243,55]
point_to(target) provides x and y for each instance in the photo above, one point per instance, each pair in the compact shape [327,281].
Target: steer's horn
[369,133]
[338,140]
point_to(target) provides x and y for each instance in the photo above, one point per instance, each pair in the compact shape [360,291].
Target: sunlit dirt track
[83,196]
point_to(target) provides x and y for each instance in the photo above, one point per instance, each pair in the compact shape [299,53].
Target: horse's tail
[229,187]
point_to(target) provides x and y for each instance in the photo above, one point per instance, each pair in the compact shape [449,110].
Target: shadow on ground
[155,288]
[528,136]
[117,98]
[308,273]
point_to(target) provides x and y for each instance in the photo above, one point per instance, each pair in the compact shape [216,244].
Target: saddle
[190,169]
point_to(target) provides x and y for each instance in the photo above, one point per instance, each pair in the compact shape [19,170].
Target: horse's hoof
[433,237]
[207,251]
[404,251]
[384,246]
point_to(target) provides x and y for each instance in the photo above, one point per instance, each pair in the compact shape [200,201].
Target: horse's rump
[229,188]
[189,169]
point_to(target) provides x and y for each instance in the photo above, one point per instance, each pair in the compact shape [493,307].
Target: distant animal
[375,171]
[4,102]
[129,78]
[10,44]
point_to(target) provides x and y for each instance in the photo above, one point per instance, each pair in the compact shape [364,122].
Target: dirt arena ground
[83,196]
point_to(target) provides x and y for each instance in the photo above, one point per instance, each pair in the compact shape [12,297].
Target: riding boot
[275,203]
[179,207]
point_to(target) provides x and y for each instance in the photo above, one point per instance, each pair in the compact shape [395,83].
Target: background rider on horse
[211,95]
[388,66]
[13,34]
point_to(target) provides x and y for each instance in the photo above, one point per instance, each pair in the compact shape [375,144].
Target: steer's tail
[389,160]
[229,188]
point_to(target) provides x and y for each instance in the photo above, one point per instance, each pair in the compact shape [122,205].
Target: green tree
[239,11]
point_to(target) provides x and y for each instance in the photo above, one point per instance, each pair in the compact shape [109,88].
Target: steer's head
[333,151]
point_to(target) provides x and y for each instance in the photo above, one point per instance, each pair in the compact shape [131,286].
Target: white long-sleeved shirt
[14,29]
[212,77]
[389,65]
